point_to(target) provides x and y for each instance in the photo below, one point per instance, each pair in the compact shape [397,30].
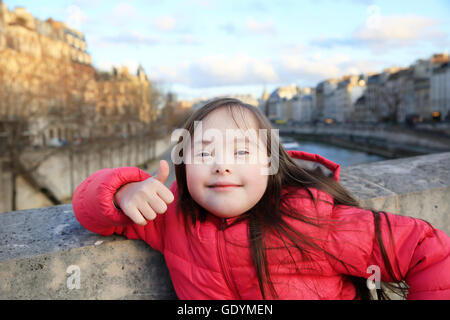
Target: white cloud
[255,26]
[165,23]
[399,31]
[75,17]
[87,3]
[218,70]
[203,3]
[124,9]
[242,69]
[123,13]
[128,38]
[382,33]
[223,68]
[264,70]
[314,67]
[131,65]
[189,39]
[105,65]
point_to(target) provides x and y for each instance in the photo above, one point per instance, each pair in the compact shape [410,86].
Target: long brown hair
[266,217]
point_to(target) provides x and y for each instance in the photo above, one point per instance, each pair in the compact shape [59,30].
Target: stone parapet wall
[66,168]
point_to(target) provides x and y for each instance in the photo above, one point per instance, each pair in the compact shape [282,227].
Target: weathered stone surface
[418,187]
[43,231]
[37,246]
[406,175]
[126,269]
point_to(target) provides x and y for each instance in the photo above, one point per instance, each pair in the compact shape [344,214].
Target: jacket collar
[312,161]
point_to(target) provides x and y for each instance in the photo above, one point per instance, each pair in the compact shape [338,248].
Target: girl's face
[224,176]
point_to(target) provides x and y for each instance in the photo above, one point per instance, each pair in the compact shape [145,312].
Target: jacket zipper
[222,258]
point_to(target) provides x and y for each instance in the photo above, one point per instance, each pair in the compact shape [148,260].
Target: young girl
[230,230]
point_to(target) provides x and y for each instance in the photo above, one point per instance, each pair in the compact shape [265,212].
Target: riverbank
[387,141]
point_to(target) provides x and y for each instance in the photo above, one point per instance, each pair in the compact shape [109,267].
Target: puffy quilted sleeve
[419,254]
[93,207]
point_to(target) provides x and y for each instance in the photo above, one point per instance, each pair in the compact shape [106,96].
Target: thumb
[163,171]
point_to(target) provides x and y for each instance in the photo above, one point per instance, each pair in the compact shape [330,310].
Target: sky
[205,48]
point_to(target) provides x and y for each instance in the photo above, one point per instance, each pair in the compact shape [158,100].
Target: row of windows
[69,134]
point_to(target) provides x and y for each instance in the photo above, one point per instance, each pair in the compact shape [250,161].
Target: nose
[222,169]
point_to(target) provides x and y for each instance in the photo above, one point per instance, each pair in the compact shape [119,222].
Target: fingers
[147,211]
[157,205]
[143,201]
[136,216]
[165,194]
[163,171]
[140,215]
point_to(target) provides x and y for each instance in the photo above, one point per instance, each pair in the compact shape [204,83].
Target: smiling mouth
[224,186]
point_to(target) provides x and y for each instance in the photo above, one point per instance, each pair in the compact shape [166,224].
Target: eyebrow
[207,142]
[204,142]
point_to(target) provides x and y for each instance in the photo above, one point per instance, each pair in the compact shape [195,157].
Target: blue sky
[203,48]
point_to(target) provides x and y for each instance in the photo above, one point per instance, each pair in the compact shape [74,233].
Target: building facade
[282,102]
[348,91]
[325,99]
[21,32]
[46,77]
[304,111]
[440,91]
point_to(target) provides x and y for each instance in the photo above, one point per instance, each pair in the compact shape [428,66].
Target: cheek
[195,178]
[254,179]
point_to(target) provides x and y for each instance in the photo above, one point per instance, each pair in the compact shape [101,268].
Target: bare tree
[395,94]
[20,103]
[36,96]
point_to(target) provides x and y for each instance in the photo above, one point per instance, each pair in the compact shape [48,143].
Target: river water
[342,156]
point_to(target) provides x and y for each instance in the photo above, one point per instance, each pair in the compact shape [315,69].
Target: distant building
[304,110]
[348,91]
[262,101]
[20,31]
[325,102]
[423,75]
[440,58]
[418,85]
[413,88]
[185,105]
[282,101]
[373,100]
[380,94]
[440,91]
[47,76]
[246,98]
[398,95]
[360,111]
[422,101]
[125,97]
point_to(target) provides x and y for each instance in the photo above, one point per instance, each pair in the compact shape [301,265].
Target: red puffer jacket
[214,262]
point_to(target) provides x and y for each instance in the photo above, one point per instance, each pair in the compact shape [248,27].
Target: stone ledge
[418,187]
[37,246]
